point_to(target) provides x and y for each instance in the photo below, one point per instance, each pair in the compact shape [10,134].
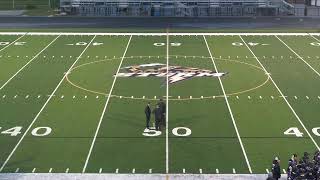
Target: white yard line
[229,108]
[13,42]
[43,107]
[156,34]
[293,111]
[28,63]
[167,108]
[301,58]
[312,35]
[104,109]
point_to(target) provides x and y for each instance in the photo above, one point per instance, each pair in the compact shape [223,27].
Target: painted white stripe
[156,34]
[34,170]
[50,170]
[28,63]
[217,171]
[234,171]
[284,171]
[267,170]
[105,108]
[150,171]
[301,58]
[167,108]
[17,170]
[183,171]
[100,170]
[43,107]
[229,108]
[117,171]
[67,170]
[133,171]
[200,171]
[285,99]
[12,42]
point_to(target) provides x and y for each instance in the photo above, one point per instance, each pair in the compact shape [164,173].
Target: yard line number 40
[294,131]
[38,131]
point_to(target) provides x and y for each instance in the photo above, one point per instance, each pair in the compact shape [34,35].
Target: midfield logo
[176,73]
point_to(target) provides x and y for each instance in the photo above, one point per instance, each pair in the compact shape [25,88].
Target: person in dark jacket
[147,111]
[276,170]
[162,106]
[157,117]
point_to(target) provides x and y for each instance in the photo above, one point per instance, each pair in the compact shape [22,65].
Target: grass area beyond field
[75,102]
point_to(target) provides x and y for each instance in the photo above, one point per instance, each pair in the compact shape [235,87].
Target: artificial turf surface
[55,99]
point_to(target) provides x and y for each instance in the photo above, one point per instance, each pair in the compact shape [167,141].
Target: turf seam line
[34,57]
[45,104]
[13,42]
[105,108]
[285,99]
[229,108]
[301,58]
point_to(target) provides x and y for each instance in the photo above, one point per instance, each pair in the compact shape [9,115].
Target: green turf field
[68,102]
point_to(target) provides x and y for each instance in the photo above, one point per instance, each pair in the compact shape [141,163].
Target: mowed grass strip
[73,113]
[213,143]
[270,116]
[40,78]
[120,143]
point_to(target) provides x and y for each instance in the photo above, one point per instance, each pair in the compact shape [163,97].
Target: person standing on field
[276,170]
[157,117]
[162,106]
[147,111]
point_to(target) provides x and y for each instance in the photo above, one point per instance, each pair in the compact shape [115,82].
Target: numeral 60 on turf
[38,131]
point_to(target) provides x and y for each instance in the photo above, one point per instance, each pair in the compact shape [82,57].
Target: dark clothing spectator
[276,170]
[147,111]
[157,117]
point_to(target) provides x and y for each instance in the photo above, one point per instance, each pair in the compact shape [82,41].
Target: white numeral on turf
[39,131]
[15,44]
[315,131]
[249,43]
[315,43]
[185,131]
[293,131]
[13,131]
[44,131]
[151,132]
[163,44]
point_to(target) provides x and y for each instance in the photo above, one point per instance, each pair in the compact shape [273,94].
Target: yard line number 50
[178,131]
[38,131]
[296,132]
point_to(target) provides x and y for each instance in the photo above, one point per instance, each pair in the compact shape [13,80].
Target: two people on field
[159,113]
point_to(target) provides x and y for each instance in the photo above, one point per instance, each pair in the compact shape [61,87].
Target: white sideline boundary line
[13,42]
[167,108]
[27,64]
[105,108]
[314,37]
[293,111]
[43,107]
[229,108]
[301,58]
[155,34]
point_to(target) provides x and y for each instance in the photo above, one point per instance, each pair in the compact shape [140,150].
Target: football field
[74,102]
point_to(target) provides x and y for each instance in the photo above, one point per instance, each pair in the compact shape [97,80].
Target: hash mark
[307,97]
[33,170]
[67,170]
[117,171]
[100,170]
[183,171]
[284,171]
[50,170]
[200,171]
[217,171]
[267,170]
[133,170]
[150,171]
[17,170]
[297,97]
[233,171]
